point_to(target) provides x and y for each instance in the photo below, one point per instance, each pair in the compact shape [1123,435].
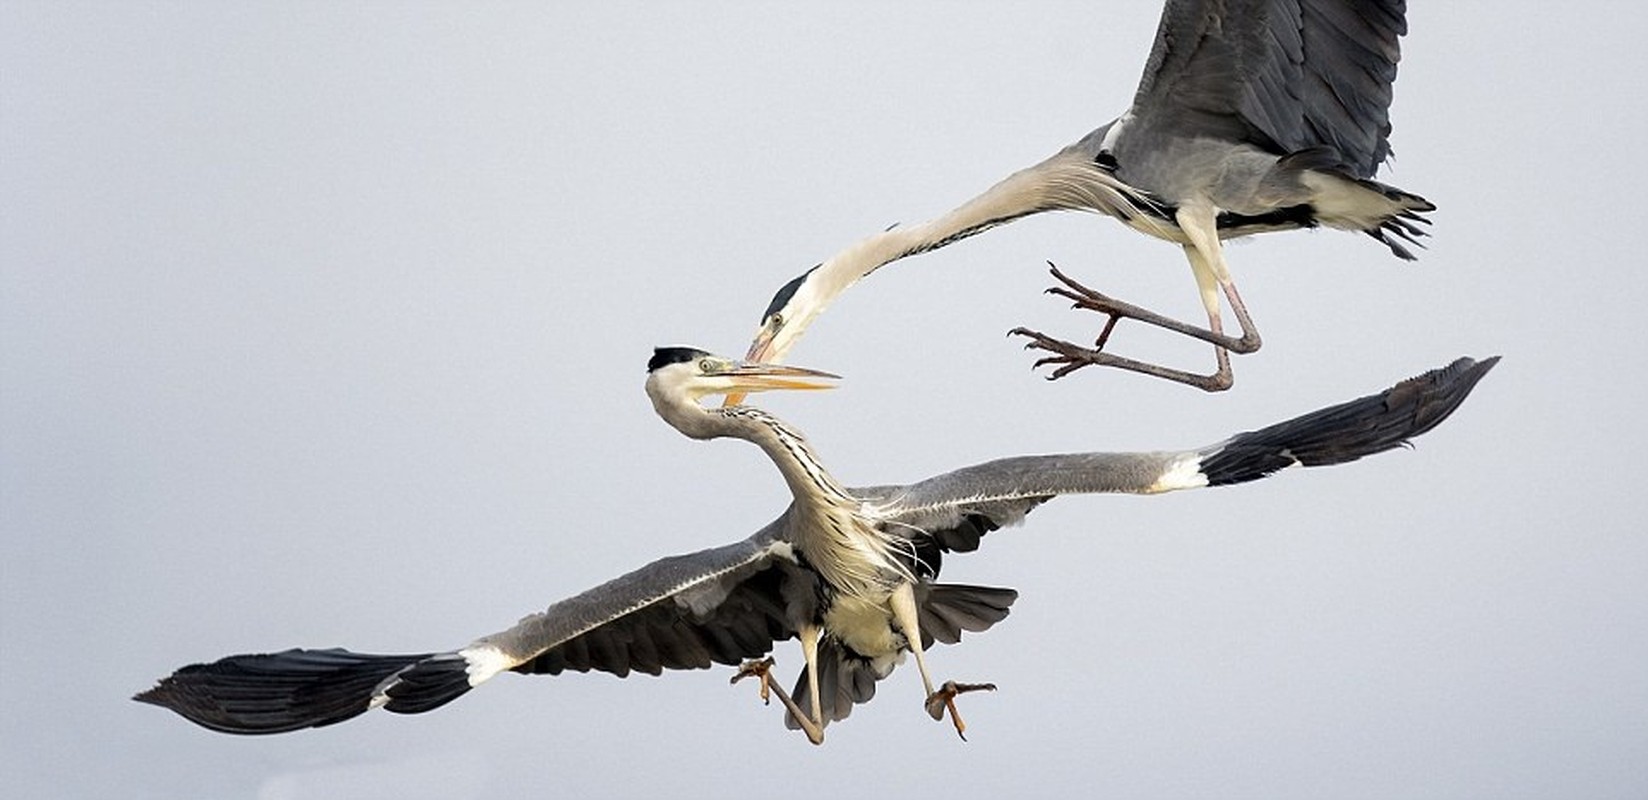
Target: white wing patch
[484,661]
[1115,132]
[1184,473]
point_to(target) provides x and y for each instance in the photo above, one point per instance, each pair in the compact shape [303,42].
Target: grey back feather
[1289,74]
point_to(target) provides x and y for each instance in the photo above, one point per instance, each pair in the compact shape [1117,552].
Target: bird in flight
[1251,116]
[851,573]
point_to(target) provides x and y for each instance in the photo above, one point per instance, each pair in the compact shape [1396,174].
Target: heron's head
[688,374]
[792,309]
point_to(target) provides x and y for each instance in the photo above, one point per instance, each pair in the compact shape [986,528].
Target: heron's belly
[1239,183]
[1181,171]
[866,628]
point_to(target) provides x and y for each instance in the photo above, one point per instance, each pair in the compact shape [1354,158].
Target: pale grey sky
[325,325]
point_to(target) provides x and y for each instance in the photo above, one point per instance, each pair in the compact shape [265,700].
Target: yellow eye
[706,365]
[776,321]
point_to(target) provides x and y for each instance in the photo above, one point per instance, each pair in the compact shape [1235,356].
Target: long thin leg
[809,635]
[905,617]
[762,670]
[1093,300]
[1250,332]
[1207,264]
[939,700]
[1068,357]
[1207,261]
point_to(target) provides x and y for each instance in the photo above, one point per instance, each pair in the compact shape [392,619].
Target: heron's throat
[809,482]
[1067,181]
[847,548]
[828,526]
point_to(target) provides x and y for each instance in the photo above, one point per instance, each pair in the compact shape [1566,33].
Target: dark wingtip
[1349,431]
[1438,393]
[429,684]
[276,692]
[154,696]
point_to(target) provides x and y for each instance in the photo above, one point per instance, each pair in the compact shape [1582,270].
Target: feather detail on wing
[683,612]
[956,508]
[1295,73]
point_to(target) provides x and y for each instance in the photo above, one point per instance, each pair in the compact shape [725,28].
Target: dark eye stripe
[665,356]
[784,294]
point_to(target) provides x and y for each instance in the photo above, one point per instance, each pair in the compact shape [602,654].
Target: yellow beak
[757,377]
[758,351]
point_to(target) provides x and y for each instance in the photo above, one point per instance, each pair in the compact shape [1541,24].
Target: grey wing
[682,612]
[955,509]
[716,606]
[1289,75]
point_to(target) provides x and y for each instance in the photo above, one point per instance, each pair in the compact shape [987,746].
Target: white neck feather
[1069,180]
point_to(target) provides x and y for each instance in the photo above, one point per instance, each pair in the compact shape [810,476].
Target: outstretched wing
[1295,74]
[720,605]
[713,607]
[954,509]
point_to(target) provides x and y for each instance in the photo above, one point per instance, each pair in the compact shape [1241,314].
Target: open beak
[758,351]
[757,377]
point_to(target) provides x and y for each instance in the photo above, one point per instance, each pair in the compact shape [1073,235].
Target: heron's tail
[1401,227]
[296,689]
[845,679]
[947,609]
[1347,431]
[1341,198]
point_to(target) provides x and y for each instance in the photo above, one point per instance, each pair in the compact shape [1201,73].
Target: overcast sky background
[325,325]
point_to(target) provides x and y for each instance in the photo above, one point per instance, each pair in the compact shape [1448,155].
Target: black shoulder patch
[665,356]
[1299,216]
[784,294]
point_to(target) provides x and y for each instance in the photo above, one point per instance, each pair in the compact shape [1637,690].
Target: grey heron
[830,581]
[1251,116]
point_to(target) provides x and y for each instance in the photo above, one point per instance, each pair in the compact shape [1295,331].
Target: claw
[945,700]
[1066,357]
[760,668]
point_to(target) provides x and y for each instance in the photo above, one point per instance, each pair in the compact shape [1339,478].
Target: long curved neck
[1068,180]
[805,475]
[850,553]
[1025,192]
